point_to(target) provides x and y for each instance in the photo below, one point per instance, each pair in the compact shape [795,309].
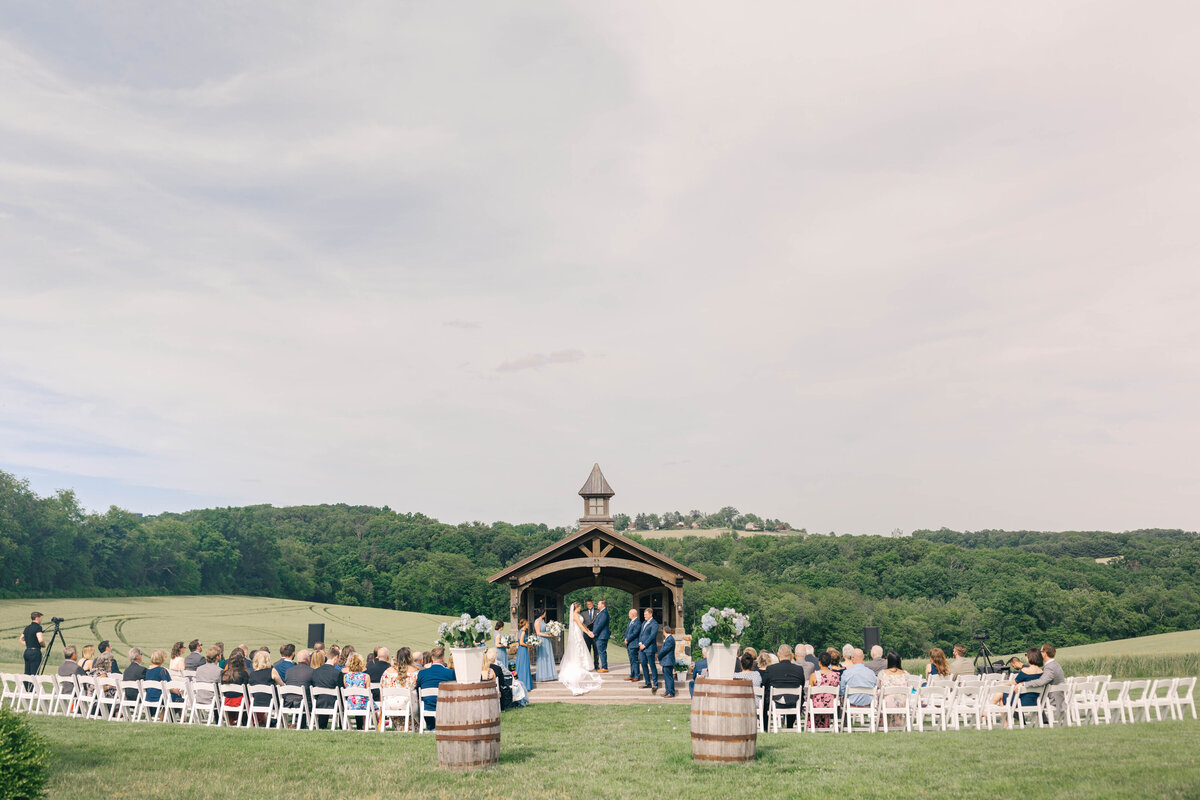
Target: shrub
[23,758]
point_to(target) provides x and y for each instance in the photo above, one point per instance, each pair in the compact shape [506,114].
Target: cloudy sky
[857,265]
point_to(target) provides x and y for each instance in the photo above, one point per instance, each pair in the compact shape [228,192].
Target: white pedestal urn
[722,661]
[468,663]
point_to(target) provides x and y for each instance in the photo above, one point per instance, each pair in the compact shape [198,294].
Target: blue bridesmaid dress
[523,673]
[545,659]
[501,656]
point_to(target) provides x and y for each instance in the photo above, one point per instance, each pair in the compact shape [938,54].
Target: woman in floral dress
[401,674]
[824,677]
[356,677]
[894,675]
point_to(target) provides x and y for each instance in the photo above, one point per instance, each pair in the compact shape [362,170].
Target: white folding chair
[63,701]
[127,706]
[965,704]
[1001,711]
[367,713]
[258,705]
[1136,705]
[333,712]
[395,703]
[868,713]
[830,696]
[152,710]
[206,703]
[25,692]
[237,713]
[1182,694]
[1158,697]
[177,700]
[1083,702]
[108,696]
[422,695]
[779,713]
[758,705]
[1054,705]
[901,705]
[932,702]
[1020,711]
[1112,698]
[292,716]
[85,695]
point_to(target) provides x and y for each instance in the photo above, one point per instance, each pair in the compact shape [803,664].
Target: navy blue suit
[697,668]
[632,631]
[648,640]
[600,628]
[666,657]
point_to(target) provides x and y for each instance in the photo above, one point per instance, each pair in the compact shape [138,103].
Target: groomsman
[632,631]
[648,644]
[666,657]
[600,628]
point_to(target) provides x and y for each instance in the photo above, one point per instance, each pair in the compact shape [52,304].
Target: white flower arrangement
[725,625]
[554,628]
[466,631]
[503,640]
[683,663]
[532,641]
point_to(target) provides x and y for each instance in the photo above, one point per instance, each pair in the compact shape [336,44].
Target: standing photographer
[33,640]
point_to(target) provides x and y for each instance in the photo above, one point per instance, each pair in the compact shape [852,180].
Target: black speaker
[871,638]
[316,633]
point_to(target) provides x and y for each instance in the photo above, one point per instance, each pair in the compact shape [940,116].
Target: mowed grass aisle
[563,751]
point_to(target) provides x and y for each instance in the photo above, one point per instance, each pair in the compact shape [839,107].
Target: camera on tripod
[57,620]
[981,636]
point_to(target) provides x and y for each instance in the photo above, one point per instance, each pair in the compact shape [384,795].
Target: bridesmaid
[523,673]
[501,652]
[545,654]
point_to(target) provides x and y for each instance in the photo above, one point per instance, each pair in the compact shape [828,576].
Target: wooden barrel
[468,725]
[724,721]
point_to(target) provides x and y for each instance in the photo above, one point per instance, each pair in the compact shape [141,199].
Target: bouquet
[532,641]
[503,640]
[683,663]
[554,628]
[724,625]
[465,631]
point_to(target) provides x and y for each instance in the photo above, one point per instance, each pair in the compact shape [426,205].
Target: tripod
[987,657]
[56,635]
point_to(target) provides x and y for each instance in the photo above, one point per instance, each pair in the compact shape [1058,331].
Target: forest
[931,589]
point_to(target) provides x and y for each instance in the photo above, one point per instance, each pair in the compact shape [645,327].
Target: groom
[600,629]
[589,621]
[648,645]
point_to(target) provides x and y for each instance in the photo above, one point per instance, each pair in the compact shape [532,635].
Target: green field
[150,622]
[563,751]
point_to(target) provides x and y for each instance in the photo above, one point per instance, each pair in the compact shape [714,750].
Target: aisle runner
[616,691]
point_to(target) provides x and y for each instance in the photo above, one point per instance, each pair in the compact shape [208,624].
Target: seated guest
[344,660]
[134,672]
[262,674]
[87,658]
[431,677]
[157,672]
[356,677]
[746,670]
[1030,672]
[299,675]
[234,674]
[69,666]
[502,677]
[811,658]
[397,676]
[221,661]
[324,676]
[894,675]
[937,664]
[753,654]
[878,663]
[825,675]
[857,678]
[375,670]
[285,661]
[206,673]
[175,665]
[784,675]
[835,660]
[194,658]
[763,661]
[961,665]
[105,647]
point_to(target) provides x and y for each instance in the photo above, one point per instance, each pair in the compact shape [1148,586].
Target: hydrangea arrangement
[554,628]
[465,631]
[704,643]
[683,663]
[724,625]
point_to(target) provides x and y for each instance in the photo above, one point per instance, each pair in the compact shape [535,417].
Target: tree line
[932,589]
[727,517]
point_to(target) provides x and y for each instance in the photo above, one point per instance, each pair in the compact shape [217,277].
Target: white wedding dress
[575,671]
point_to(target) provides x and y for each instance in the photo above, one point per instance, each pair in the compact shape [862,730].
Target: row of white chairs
[968,703]
[188,702]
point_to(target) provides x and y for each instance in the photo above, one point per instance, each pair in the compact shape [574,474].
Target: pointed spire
[596,485]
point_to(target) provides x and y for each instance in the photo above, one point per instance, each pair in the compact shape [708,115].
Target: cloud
[539,360]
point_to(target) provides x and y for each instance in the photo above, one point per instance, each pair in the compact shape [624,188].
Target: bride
[575,671]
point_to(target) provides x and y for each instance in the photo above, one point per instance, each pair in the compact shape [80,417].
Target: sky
[858,266]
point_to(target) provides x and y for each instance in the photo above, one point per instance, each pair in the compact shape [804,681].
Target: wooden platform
[616,691]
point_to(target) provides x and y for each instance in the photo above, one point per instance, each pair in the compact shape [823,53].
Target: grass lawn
[150,622]
[563,751]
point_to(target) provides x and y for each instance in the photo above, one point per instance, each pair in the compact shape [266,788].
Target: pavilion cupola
[596,493]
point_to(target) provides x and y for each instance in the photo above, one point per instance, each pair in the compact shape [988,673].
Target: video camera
[57,620]
[981,636]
